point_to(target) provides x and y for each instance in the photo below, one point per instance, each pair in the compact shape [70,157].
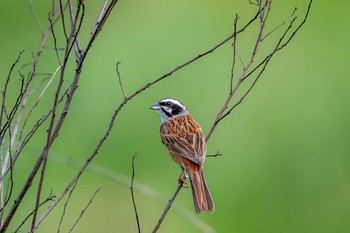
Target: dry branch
[263,13]
[63,98]
[132,192]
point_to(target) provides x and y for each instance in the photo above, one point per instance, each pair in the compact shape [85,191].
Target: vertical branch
[234,52]
[54,40]
[120,80]
[132,192]
[48,142]
[52,133]
[73,21]
[63,20]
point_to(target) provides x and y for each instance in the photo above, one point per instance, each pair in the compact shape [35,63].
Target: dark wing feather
[183,136]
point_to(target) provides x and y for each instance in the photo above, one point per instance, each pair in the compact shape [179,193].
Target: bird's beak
[155,107]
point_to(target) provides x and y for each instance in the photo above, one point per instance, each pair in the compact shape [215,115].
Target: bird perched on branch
[184,141]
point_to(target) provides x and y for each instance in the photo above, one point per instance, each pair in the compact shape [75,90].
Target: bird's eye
[168,103]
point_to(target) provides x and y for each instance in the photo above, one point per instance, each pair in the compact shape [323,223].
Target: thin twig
[52,133]
[54,40]
[48,141]
[102,12]
[65,207]
[49,198]
[281,24]
[120,80]
[214,155]
[3,104]
[37,102]
[32,9]
[264,63]
[84,210]
[132,192]
[74,30]
[50,137]
[168,206]
[63,20]
[234,51]
[261,13]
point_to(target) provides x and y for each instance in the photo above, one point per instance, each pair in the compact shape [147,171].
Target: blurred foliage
[285,163]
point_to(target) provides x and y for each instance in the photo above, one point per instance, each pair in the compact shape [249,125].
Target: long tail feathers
[201,194]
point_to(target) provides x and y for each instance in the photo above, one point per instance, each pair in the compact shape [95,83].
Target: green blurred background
[285,163]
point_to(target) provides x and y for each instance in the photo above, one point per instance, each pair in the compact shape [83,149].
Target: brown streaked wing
[189,144]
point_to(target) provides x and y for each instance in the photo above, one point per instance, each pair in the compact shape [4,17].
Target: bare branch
[263,16]
[37,101]
[65,207]
[119,108]
[58,119]
[234,51]
[264,63]
[35,17]
[53,132]
[54,40]
[168,206]
[102,13]
[83,211]
[74,30]
[281,24]
[132,192]
[261,13]
[48,199]
[63,20]
[120,80]
[3,105]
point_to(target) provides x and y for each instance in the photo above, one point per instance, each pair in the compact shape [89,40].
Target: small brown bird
[185,143]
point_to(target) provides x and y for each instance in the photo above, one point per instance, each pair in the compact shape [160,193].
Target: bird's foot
[183,182]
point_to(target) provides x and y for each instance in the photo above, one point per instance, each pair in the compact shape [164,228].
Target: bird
[185,143]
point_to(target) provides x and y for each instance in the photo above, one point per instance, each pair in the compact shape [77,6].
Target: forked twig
[50,198]
[215,155]
[65,206]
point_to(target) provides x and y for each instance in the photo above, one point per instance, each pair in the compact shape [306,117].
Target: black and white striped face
[169,108]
